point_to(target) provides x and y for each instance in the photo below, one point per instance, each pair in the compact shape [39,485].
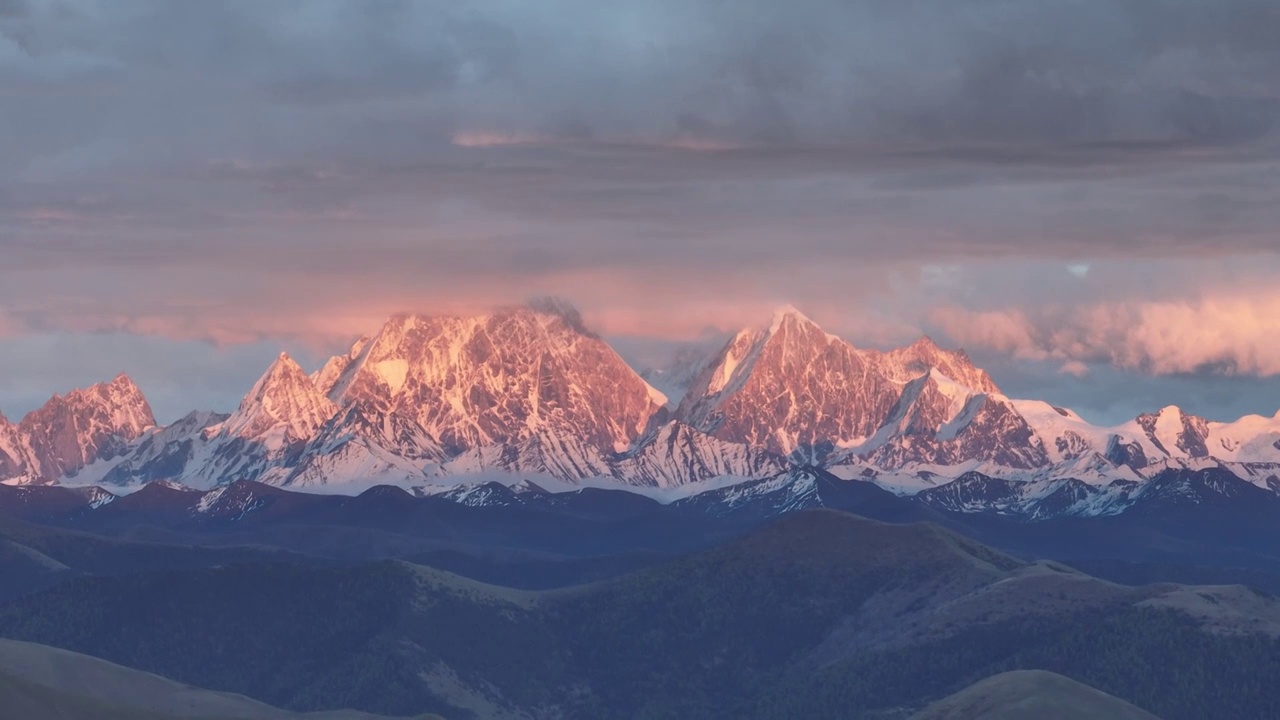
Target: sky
[1084,194]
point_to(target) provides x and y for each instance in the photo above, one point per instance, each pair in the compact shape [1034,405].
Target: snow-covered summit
[282,408]
[69,432]
[796,387]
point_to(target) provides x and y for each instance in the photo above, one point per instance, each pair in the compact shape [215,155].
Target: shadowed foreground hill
[820,615]
[43,683]
[1031,695]
[34,557]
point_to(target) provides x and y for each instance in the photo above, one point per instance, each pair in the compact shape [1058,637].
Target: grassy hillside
[29,701]
[1031,695]
[34,557]
[43,683]
[821,615]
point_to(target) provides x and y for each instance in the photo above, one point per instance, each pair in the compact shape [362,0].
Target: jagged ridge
[529,391]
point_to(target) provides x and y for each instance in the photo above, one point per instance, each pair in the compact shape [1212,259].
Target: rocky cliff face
[790,387]
[16,461]
[69,432]
[283,408]
[794,387]
[1173,432]
[903,365]
[500,378]
[940,422]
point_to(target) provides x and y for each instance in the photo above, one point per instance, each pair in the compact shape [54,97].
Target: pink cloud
[1004,331]
[1074,368]
[47,215]
[1231,333]
[7,326]
[497,138]
[328,293]
[480,138]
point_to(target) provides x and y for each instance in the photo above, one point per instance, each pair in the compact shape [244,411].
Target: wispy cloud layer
[1230,334]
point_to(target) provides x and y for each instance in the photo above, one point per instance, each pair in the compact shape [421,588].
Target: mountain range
[441,405]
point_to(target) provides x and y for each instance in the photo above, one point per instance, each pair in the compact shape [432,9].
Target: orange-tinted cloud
[1228,332]
[497,138]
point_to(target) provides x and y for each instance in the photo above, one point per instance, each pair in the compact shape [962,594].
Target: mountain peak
[328,376]
[123,380]
[927,404]
[924,354]
[1172,431]
[71,431]
[786,314]
[1169,413]
[398,325]
[562,308]
[506,376]
[283,369]
[926,344]
[786,309]
[284,401]
[792,387]
[284,364]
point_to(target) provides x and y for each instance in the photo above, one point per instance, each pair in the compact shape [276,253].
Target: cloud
[1227,334]
[371,78]
[1074,368]
[294,171]
[490,138]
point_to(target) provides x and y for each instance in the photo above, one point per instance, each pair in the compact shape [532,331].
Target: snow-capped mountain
[274,422]
[273,425]
[790,387]
[678,373]
[69,432]
[160,455]
[491,494]
[16,459]
[794,388]
[526,390]
[938,421]
[676,454]
[1164,492]
[500,378]
[284,408]
[529,393]
[1034,499]
[523,390]
[1201,491]
[1154,441]
[902,365]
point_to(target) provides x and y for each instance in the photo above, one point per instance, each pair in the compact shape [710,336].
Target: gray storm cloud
[750,71]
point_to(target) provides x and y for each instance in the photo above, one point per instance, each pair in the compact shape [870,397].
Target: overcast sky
[1083,193]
